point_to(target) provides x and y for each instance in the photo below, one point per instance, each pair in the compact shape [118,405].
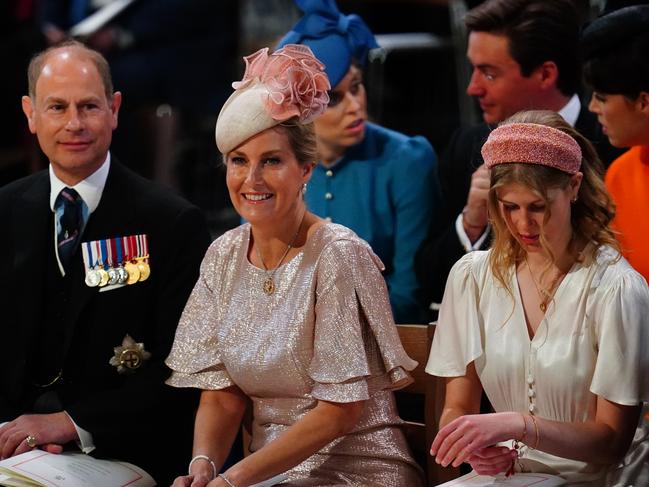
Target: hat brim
[243,116]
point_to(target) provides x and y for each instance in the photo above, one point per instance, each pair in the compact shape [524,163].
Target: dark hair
[617,63]
[37,62]
[590,215]
[537,31]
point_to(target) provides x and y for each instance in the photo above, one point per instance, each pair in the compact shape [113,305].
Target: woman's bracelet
[536,432]
[226,480]
[207,459]
[524,435]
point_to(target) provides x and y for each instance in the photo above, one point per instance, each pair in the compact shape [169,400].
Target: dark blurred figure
[609,6]
[19,37]
[172,60]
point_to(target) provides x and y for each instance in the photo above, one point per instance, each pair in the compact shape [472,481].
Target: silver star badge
[129,356]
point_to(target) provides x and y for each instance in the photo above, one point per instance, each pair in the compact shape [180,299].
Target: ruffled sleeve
[622,328]
[458,337]
[195,358]
[357,350]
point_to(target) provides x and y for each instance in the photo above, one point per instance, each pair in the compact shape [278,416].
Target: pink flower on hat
[255,63]
[295,79]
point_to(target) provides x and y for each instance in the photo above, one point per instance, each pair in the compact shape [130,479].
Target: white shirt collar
[90,189]
[570,112]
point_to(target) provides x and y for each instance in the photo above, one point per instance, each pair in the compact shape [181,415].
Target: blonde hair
[590,215]
[301,139]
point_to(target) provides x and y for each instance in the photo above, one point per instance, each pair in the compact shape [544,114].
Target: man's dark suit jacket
[442,247]
[136,418]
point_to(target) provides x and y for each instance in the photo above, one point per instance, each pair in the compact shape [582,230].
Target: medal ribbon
[104,254]
[127,250]
[112,243]
[86,249]
[140,250]
[143,246]
[97,250]
[135,253]
[118,243]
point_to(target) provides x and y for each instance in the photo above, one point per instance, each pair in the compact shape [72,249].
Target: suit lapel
[587,125]
[30,226]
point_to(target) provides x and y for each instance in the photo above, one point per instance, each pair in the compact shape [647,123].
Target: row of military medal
[116,261]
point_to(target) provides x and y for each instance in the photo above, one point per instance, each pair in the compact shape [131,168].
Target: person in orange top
[615,48]
[628,182]
[615,53]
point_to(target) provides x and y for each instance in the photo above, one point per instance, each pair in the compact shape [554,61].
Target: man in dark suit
[525,56]
[84,364]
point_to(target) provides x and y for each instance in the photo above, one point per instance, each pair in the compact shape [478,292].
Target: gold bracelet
[536,432]
[524,435]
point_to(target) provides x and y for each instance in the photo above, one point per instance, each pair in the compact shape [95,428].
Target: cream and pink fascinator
[532,143]
[288,83]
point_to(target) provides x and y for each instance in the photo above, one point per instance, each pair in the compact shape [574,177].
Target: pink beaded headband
[533,144]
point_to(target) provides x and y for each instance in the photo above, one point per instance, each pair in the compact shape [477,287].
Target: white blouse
[593,341]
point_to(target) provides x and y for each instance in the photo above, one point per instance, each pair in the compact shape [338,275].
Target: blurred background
[174,61]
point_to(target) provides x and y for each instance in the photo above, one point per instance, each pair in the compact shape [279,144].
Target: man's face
[497,81]
[71,115]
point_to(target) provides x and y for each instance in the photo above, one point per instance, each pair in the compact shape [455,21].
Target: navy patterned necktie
[69,214]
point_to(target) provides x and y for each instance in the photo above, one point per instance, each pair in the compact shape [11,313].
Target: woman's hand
[492,460]
[217,482]
[466,435]
[198,480]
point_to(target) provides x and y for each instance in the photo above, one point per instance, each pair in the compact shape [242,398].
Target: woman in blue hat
[380,183]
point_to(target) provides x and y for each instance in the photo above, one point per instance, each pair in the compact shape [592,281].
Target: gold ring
[31,441]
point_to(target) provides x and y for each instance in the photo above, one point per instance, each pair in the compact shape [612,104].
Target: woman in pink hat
[552,323]
[290,316]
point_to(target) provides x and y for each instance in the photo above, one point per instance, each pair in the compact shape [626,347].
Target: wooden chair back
[416,340]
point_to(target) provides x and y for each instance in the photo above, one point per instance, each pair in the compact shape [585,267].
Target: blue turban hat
[334,38]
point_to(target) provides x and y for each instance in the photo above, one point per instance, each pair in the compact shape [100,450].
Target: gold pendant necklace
[268,285]
[546,295]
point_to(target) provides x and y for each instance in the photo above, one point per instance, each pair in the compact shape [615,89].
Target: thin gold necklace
[546,295]
[269,282]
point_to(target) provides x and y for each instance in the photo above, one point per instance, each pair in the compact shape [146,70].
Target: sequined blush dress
[326,333]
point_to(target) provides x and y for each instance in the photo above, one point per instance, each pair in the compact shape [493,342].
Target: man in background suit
[57,386]
[525,56]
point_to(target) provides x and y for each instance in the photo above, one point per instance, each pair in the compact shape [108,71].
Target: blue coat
[386,190]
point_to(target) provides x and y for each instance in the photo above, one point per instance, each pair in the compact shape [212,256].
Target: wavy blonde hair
[590,215]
